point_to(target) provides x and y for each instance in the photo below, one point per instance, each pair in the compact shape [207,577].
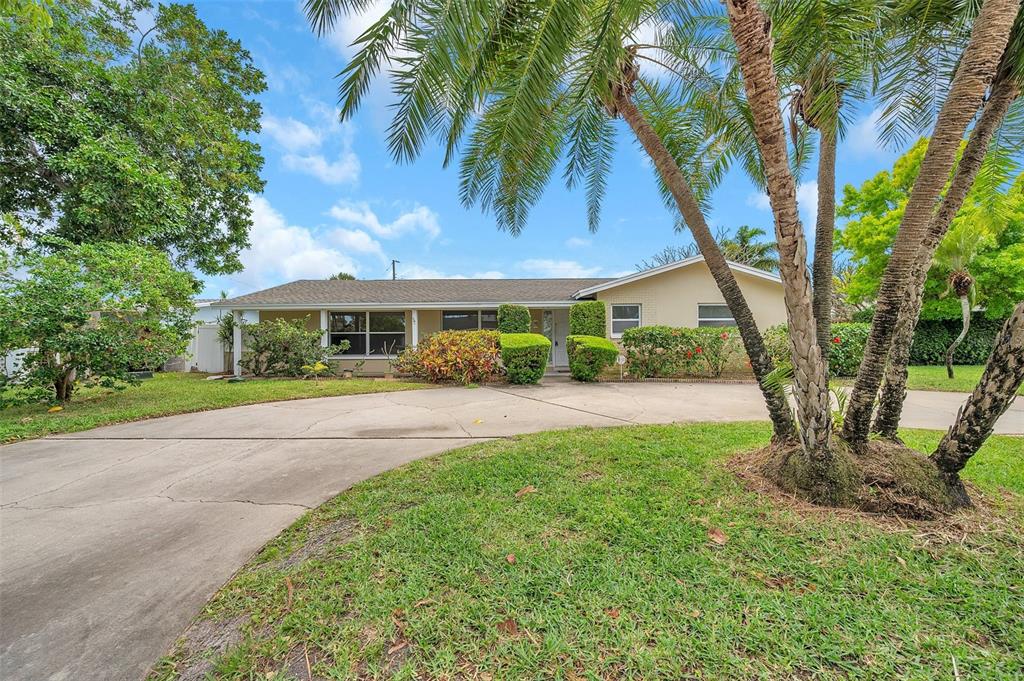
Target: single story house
[382,317]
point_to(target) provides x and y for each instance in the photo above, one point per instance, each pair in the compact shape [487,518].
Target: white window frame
[612,318]
[366,332]
[479,318]
[730,319]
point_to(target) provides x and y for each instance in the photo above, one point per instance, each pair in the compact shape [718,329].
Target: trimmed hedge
[847,346]
[932,337]
[513,319]
[665,351]
[589,356]
[525,356]
[587,319]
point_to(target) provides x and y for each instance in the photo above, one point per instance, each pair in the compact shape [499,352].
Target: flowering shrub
[461,356]
[283,347]
[589,356]
[525,356]
[661,351]
[846,346]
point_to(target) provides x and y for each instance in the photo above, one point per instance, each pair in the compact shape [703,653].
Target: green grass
[172,393]
[614,575]
[965,378]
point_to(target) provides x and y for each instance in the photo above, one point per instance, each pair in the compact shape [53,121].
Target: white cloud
[291,134]
[282,251]
[557,268]
[343,171]
[489,274]
[356,241]
[415,271]
[577,242]
[759,200]
[862,138]
[419,219]
[352,26]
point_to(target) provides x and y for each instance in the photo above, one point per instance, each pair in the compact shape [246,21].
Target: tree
[955,255]
[92,312]
[514,88]
[342,276]
[744,248]
[103,138]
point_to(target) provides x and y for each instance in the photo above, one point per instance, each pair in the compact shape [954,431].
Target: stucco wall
[671,298]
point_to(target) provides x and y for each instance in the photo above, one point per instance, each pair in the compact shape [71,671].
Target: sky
[335,201]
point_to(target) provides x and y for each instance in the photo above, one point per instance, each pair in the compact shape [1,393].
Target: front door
[556,328]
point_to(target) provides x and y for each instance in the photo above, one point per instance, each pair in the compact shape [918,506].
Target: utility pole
[394,273]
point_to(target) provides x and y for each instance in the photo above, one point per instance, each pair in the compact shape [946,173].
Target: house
[382,317]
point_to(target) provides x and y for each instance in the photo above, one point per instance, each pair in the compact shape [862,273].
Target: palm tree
[515,87]
[975,71]
[1005,90]
[747,248]
[955,255]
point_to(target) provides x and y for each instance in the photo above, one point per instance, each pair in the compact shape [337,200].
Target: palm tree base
[886,478]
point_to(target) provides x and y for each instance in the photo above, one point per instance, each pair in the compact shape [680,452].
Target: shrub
[525,356]
[513,319]
[461,356]
[282,347]
[663,351]
[846,346]
[587,319]
[932,337]
[589,356]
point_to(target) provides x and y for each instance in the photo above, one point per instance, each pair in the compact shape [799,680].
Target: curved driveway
[111,540]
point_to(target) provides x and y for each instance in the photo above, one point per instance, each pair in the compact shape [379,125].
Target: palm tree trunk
[965,315]
[824,232]
[750,30]
[778,408]
[978,65]
[894,389]
[1004,374]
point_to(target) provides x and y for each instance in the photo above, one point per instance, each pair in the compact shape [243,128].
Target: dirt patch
[303,661]
[887,480]
[205,641]
[319,540]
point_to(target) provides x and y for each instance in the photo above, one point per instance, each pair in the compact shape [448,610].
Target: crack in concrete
[171,499]
[563,406]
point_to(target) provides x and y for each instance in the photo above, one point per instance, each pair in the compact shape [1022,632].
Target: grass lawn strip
[622,553]
[173,393]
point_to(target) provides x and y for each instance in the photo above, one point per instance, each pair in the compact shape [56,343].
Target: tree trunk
[894,389]
[995,392]
[824,232]
[778,408]
[965,315]
[64,386]
[978,65]
[751,32]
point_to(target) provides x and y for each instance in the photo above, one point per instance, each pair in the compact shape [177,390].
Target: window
[714,314]
[369,333]
[468,320]
[624,317]
[460,320]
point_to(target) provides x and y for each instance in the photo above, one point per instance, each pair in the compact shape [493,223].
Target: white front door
[556,328]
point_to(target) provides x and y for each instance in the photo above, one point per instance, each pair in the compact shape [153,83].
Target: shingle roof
[404,291]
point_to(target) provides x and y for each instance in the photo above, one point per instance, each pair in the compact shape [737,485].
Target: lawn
[934,378]
[618,553]
[172,393]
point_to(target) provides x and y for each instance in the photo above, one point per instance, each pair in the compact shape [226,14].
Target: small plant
[513,319]
[357,368]
[589,356]
[316,370]
[283,347]
[461,356]
[587,319]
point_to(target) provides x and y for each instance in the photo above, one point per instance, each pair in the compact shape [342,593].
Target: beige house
[382,317]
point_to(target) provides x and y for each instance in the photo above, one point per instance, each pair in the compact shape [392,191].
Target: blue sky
[334,200]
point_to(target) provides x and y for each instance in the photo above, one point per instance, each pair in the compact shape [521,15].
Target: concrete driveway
[112,540]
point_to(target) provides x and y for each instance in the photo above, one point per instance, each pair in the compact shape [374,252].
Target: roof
[428,292]
[629,278]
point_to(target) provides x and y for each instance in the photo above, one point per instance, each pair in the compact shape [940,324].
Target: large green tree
[109,135]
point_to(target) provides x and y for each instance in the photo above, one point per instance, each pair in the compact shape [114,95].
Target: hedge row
[525,356]
[665,351]
[846,349]
[587,319]
[589,356]
[932,337]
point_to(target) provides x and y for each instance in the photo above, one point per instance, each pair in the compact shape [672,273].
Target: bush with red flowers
[664,351]
[845,350]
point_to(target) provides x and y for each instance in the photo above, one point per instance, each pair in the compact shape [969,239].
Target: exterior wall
[429,322]
[671,298]
[312,321]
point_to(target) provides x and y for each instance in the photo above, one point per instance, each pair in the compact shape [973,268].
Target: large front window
[369,333]
[468,320]
[624,317]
